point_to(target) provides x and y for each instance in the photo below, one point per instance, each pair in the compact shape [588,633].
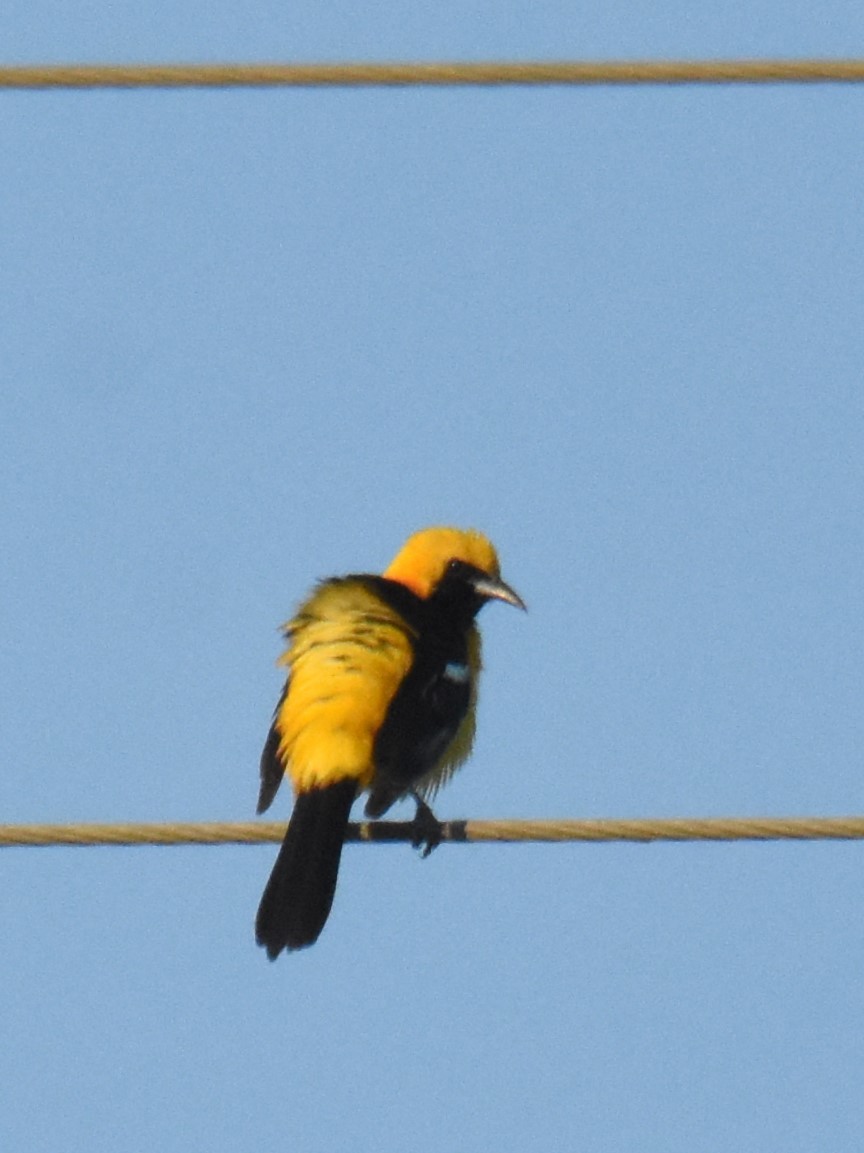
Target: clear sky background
[248,339]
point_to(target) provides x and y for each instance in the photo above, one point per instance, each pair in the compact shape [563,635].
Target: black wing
[272,769]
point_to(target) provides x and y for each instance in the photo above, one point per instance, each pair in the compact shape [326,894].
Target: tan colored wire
[261,832]
[451,73]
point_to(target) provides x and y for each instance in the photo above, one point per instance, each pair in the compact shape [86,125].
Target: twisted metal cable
[417,73]
[261,832]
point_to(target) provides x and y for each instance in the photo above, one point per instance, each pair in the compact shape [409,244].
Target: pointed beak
[497,590]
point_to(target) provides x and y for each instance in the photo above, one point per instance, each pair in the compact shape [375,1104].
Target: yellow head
[423,560]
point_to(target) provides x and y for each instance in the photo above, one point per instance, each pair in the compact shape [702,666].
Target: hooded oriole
[380,696]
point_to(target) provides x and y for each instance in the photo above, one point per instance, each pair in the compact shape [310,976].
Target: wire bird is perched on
[380,696]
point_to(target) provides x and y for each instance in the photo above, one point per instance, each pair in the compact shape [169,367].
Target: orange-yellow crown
[421,561]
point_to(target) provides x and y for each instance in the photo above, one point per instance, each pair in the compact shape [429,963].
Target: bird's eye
[454,565]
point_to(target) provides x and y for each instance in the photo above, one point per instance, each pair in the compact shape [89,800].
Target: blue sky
[248,339]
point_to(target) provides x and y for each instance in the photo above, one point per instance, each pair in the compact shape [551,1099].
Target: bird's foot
[428,831]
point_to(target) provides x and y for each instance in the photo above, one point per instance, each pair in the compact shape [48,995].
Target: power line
[261,832]
[490,73]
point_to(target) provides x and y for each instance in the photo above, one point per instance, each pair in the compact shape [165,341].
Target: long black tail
[298,896]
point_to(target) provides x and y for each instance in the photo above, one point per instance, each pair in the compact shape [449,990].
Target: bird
[380,698]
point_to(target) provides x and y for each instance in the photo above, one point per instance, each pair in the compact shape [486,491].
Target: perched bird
[380,696]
